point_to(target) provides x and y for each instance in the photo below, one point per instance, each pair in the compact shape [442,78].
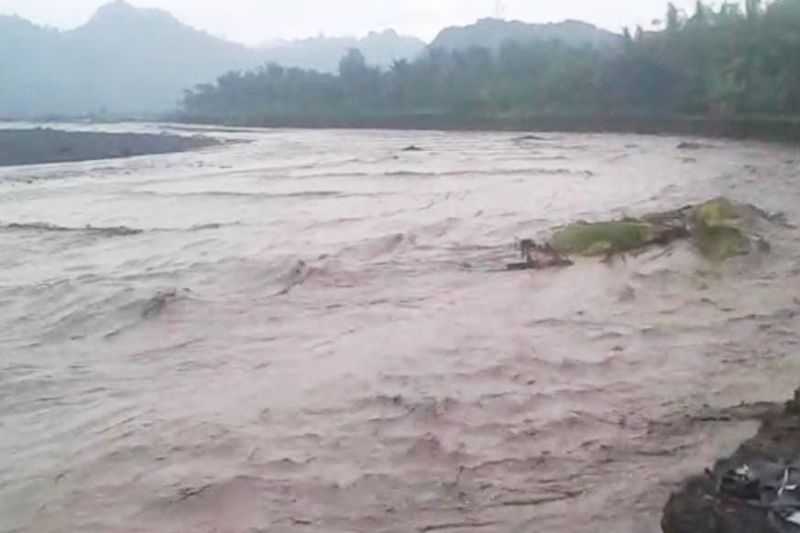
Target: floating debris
[690,145]
[538,257]
[530,138]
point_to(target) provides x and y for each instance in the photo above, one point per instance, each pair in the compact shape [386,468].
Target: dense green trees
[727,60]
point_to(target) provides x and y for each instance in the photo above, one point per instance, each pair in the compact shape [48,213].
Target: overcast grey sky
[254,21]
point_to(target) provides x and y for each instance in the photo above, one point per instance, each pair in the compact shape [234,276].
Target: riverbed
[313,331]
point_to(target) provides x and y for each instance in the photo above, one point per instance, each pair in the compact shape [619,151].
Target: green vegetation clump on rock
[601,238]
[719,228]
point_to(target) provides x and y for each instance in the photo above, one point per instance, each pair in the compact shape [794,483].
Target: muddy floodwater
[312,332]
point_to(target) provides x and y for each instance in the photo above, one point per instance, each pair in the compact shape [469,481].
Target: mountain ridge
[105,66]
[323,53]
[493,33]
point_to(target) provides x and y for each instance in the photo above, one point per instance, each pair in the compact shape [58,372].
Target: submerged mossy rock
[716,212]
[718,228]
[602,238]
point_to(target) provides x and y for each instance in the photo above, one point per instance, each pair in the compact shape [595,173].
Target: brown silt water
[313,332]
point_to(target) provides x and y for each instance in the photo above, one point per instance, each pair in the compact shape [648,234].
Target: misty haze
[357,266]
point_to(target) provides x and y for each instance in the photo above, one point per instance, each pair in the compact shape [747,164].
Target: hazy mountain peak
[115,7]
[389,32]
[493,33]
[324,53]
[120,12]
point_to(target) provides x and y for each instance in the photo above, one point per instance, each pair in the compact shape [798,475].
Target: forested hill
[723,61]
[134,61]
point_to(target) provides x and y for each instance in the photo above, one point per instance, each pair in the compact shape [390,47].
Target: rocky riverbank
[44,145]
[751,491]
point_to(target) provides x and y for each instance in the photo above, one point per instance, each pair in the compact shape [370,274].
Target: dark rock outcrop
[701,506]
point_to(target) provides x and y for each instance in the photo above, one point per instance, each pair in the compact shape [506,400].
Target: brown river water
[313,332]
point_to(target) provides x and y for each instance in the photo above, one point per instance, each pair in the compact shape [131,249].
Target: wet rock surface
[706,503]
[44,145]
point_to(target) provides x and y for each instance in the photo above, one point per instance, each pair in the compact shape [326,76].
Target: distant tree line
[728,60]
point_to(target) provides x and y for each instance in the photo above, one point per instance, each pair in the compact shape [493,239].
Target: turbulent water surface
[313,332]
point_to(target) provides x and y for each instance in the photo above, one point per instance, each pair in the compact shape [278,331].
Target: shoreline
[36,146]
[701,505]
[753,128]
